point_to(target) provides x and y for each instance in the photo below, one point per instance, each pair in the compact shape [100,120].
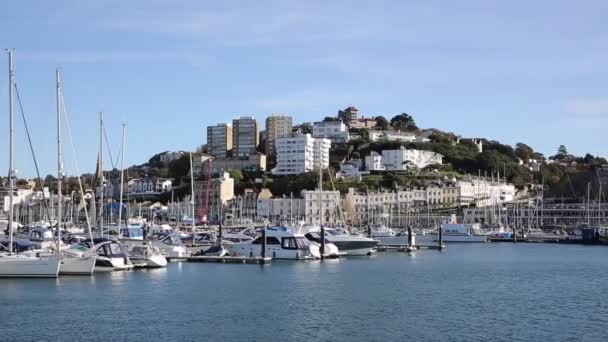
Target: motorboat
[347,244]
[383,232]
[44,237]
[460,232]
[170,245]
[281,243]
[111,255]
[147,255]
[212,250]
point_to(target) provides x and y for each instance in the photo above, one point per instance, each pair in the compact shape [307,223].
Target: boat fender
[274,254]
[297,255]
[251,254]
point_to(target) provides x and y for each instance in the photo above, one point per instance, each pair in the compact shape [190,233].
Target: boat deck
[230,260]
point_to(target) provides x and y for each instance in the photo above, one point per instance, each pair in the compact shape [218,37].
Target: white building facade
[301,153]
[336,131]
[403,159]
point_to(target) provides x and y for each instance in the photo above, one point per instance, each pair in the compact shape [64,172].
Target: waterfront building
[331,205]
[301,153]
[219,190]
[219,140]
[277,125]
[483,192]
[278,209]
[336,131]
[245,136]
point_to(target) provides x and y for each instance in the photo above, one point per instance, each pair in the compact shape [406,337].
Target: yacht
[460,232]
[170,245]
[383,232]
[347,244]
[110,255]
[281,243]
[146,255]
[78,260]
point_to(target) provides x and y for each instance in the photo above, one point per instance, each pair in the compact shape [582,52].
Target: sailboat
[11,264]
[71,263]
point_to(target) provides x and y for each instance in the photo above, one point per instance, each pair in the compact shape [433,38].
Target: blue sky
[531,71]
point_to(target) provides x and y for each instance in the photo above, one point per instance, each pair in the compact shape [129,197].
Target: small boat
[111,255]
[170,245]
[146,255]
[281,243]
[212,250]
[460,232]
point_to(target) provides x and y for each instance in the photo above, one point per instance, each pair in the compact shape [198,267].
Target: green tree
[562,152]
[403,122]
[179,168]
[523,151]
[381,122]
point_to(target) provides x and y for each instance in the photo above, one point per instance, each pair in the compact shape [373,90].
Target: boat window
[302,243]
[115,249]
[103,250]
[289,243]
[270,240]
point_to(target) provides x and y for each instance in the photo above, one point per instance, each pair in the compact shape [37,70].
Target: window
[270,240]
[289,243]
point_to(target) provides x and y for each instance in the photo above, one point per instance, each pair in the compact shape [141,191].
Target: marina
[548,292]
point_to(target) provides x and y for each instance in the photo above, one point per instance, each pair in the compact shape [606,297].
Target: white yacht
[15,265]
[383,232]
[78,260]
[110,255]
[347,244]
[146,255]
[171,246]
[281,243]
[460,232]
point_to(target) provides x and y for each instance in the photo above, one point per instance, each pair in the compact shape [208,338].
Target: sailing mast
[122,176]
[101,172]
[11,82]
[59,163]
[192,192]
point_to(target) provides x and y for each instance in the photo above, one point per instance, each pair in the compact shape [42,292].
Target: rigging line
[67,123]
[105,136]
[29,139]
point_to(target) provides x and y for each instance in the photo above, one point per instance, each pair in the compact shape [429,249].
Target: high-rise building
[301,153]
[219,139]
[245,136]
[277,125]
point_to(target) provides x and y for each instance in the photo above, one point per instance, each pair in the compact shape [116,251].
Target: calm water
[484,292]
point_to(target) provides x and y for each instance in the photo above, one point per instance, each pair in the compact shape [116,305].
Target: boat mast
[192,191]
[122,176]
[59,164]
[101,172]
[10,148]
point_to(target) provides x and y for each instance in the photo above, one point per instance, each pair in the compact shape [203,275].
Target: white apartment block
[277,125]
[168,157]
[245,136]
[219,139]
[403,158]
[301,153]
[336,131]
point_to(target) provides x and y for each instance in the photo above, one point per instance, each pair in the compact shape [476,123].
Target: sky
[513,71]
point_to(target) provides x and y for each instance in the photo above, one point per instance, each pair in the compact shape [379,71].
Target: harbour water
[469,292]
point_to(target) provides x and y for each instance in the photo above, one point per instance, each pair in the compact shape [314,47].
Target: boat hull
[460,238]
[15,266]
[78,265]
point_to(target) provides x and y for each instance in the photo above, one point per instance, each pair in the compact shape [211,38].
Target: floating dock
[231,260]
